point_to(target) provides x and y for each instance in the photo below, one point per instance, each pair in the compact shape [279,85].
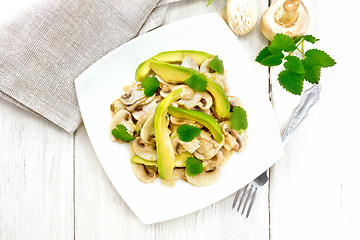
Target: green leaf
[263,54]
[150,85]
[239,118]
[193,166]
[209,2]
[312,72]
[297,39]
[197,82]
[281,42]
[217,65]
[310,38]
[294,64]
[318,57]
[120,132]
[291,82]
[272,60]
[188,132]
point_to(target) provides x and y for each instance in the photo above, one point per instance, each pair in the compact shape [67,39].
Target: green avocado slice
[180,160]
[176,74]
[200,117]
[143,69]
[165,150]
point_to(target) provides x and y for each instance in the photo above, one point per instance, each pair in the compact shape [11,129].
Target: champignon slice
[186,93]
[233,139]
[122,117]
[145,150]
[138,104]
[147,109]
[189,62]
[205,66]
[180,121]
[187,146]
[144,174]
[208,146]
[147,132]
[223,155]
[219,79]
[178,173]
[116,106]
[234,101]
[133,93]
[201,99]
[205,178]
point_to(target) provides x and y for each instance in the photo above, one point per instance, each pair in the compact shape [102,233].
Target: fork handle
[309,98]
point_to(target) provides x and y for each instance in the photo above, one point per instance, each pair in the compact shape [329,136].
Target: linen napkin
[47,46]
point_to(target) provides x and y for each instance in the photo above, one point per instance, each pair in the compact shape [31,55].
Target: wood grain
[313,194]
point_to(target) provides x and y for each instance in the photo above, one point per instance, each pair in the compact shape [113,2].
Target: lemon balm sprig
[296,69]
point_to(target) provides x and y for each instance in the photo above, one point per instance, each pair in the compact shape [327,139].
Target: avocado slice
[143,69]
[200,117]
[165,150]
[180,160]
[176,74]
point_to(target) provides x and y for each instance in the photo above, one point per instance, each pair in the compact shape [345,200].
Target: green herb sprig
[193,166]
[187,132]
[296,69]
[120,132]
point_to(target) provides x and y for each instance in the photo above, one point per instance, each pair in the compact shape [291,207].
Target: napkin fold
[46,47]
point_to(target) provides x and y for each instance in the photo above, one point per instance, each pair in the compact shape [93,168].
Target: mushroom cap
[147,132]
[233,139]
[209,147]
[271,23]
[144,149]
[122,117]
[145,175]
[241,15]
[204,178]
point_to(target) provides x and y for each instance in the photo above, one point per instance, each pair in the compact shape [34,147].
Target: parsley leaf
[291,81]
[150,85]
[281,42]
[239,118]
[272,60]
[294,64]
[318,57]
[188,132]
[193,166]
[217,65]
[197,82]
[312,72]
[120,132]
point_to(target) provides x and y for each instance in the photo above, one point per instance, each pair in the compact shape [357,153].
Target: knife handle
[309,98]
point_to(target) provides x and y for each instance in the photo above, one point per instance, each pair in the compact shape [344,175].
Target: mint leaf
[312,72]
[263,54]
[272,60]
[120,132]
[281,42]
[193,166]
[291,82]
[188,132]
[238,118]
[294,64]
[217,65]
[318,57]
[197,82]
[310,38]
[150,85]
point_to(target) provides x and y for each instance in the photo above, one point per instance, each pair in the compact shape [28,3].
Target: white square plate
[102,83]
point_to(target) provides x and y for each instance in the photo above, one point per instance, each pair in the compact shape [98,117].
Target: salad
[179,119]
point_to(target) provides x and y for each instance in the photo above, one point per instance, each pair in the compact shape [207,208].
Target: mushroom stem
[288,13]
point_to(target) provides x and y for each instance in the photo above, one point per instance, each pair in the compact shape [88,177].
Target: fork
[309,98]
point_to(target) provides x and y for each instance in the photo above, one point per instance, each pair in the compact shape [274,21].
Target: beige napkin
[46,47]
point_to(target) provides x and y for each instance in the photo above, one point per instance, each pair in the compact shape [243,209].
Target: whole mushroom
[289,17]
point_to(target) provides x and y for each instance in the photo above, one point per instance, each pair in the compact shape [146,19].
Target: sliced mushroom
[186,146]
[187,92]
[223,155]
[148,131]
[234,101]
[178,173]
[145,175]
[201,99]
[116,106]
[205,66]
[139,103]
[219,79]
[189,62]
[145,150]
[133,93]
[180,121]
[205,178]
[147,109]
[233,139]
[208,146]
[122,117]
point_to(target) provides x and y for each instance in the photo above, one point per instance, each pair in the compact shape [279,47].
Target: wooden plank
[100,213]
[313,188]
[36,177]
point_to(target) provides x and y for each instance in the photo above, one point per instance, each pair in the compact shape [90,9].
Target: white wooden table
[53,187]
